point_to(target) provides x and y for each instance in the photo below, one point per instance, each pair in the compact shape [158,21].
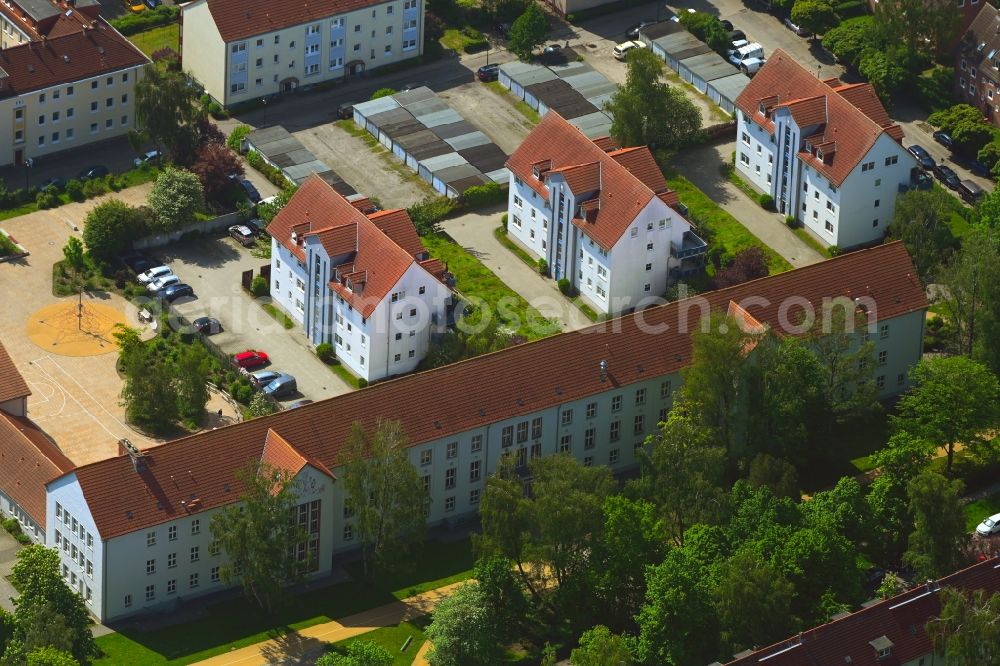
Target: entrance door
[19,157]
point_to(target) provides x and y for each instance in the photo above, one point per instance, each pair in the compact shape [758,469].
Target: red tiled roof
[28,460]
[239,19]
[280,454]
[12,384]
[71,57]
[340,240]
[397,225]
[452,399]
[623,194]
[581,178]
[901,619]
[605,143]
[641,164]
[854,117]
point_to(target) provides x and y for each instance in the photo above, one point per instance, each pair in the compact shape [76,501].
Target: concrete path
[304,646]
[421,658]
[702,166]
[474,232]
[8,556]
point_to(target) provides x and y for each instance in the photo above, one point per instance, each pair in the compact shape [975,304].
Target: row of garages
[574,90]
[284,152]
[435,141]
[696,63]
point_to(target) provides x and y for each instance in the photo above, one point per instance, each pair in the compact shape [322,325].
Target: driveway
[74,398]
[474,232]
[8,556]
[213,268]
[701,166]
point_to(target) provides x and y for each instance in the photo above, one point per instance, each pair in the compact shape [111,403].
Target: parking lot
[213,268]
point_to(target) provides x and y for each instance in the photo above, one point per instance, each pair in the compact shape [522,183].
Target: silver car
[989,526]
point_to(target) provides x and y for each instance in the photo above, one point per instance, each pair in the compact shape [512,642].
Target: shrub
[217,111]
[479,196]
[543,267]
[259,286]
[130,24]
[74,189]
[325,352]
[236,137]
[205,100]
[503,221]
[791,222]
[362,382]
[383,92]
[564,286]
[834,250]
[766,201]
[176,196]
[427,214]
[48,198]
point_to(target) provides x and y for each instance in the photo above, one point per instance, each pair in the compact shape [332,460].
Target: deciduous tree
[50,656]
[967,631]
[73,253]
[754,602]
[528,31]
[149,390]
[259,536]
[816,16]
[213,165]
[922,221]
[110,227]
[748,264]
[953,403]
[387,496]
[938,537]
[648,112]
[600,647]
[175,198]
[463,631]
[358,653]
[193,371]
[165,111]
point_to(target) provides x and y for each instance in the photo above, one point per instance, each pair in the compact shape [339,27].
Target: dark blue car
[924,158]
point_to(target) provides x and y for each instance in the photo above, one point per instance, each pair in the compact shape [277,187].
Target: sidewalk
[304,646]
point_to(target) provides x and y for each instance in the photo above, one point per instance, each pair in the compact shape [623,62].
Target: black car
[924,158]
[737,35]
[728,25]
[207,325]
[96,171]
[175,291]
[251,191]
[633,32]
[944,139]
[345,111]
[488,73]
[57,182]
[138,263]
[947,176]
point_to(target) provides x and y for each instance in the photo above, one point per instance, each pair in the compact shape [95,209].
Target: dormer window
[760,109]
[883,647]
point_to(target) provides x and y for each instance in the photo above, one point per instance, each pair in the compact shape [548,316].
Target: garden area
[156,40]
[237,622]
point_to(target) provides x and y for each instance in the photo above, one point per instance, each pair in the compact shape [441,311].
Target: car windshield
[989,522]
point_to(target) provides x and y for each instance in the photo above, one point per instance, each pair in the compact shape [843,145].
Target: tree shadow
[292,649]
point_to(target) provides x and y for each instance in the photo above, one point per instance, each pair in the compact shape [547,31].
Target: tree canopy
[463,631]
[967,631]
[816,16]
[922,220]
[648,112]
[528,31]
[166,112]
[110,227]
[175,198]
[936,543]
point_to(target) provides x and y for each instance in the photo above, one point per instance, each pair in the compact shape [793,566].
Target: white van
[750,66]
[754,50]
[621,50]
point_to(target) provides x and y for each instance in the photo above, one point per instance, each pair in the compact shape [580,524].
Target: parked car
[752,50]
[137,263]
[262,378]
[251,191]
[797,29]
[281,386]
[161,283]
[989,526]
[620,52]
[970,191]
[153,4]
[96,171]
[207,325]
[153,273]
[751,66]
[924,158]
[56,182]
[345,111]
[552,49]
[737,36]
[250,358]
[148,157]
[947,176]
[633,32]
[728,25]
[175,291]
[300,403]
[944,139]
[488,73]
[242,235]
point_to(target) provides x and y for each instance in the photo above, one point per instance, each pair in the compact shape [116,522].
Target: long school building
[138,525]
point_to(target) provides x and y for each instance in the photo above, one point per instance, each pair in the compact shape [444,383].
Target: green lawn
[129,178]
[392,639]
[164,37]
[280,316]
[237,623]
[811,241]
[456,40]
[976,511]
[721,227]
[477,283]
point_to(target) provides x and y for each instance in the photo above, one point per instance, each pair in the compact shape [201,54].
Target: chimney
[604,370]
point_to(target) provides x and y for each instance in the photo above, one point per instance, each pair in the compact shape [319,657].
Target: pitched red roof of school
[28,460]
[457,397]
[850,115]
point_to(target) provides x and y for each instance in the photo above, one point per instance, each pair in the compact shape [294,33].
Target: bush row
[427,214]
[14,527]
[274,175]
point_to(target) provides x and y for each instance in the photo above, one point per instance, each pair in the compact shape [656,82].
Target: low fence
[207,226]
[713,132]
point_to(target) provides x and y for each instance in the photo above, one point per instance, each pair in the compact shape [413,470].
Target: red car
[250,359]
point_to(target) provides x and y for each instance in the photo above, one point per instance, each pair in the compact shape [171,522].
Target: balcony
[688,268]
[691,246]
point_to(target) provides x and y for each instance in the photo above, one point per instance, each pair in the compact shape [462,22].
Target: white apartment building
[72,87]
[363,283]
[599,216]
[242,50]
[141,516]
[826,151]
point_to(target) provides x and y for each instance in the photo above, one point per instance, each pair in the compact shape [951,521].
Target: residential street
[701,166]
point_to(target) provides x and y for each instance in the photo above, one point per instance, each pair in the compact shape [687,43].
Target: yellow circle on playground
[74,328]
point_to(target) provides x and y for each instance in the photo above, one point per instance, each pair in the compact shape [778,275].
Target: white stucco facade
[288,281]
[857,212]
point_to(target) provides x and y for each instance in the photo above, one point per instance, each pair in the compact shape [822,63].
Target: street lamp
[28,163]
[264,124]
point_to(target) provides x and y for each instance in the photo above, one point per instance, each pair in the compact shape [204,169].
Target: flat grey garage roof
[709,66]
[284,151]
